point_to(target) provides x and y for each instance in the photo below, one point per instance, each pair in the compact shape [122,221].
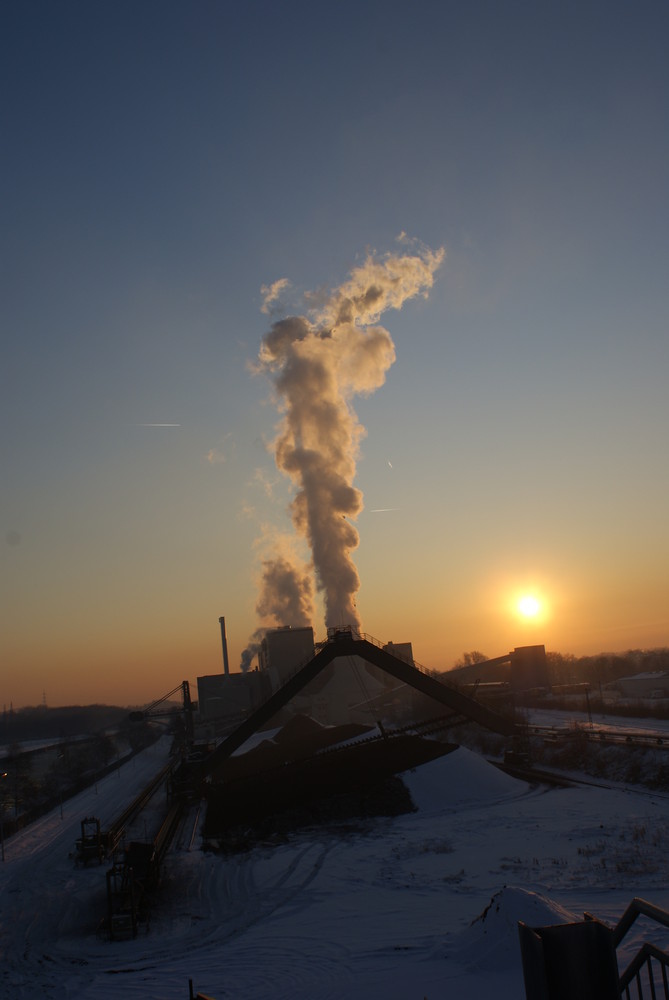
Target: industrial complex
[316,726]
[323,736]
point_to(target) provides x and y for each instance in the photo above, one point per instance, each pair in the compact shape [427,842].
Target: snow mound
[460,778]
[491,940]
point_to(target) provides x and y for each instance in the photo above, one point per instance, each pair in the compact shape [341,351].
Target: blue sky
[164,161]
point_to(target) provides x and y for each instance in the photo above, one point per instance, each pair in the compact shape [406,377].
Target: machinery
[130,879]
[156,710]
[90,846]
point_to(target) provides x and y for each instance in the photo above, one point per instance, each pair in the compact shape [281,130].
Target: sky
[181,178]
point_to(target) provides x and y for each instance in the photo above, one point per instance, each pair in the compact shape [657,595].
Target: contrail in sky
[318,362]
[158,425]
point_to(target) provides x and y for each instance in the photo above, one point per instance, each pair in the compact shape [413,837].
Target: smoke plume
[318,362]
[286,591]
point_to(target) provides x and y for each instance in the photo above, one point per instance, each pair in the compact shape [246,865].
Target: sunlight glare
[529,606]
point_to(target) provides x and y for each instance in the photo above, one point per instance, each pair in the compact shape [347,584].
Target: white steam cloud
[318,363]
[271,294]
[286,590]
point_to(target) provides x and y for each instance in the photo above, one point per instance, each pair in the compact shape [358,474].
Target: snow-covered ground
[385,908]
[598,720]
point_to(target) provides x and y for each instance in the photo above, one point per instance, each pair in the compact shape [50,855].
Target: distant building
[648,685]
[348,690]
[524,669]
[528,668]
[402,650]
[221,695]
[283,651]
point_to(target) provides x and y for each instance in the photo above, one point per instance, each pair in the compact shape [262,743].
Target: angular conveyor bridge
[345,643]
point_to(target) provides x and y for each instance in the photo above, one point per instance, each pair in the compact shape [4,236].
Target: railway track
[187,831]
[117,828]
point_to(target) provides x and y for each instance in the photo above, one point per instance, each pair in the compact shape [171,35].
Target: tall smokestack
[226,666]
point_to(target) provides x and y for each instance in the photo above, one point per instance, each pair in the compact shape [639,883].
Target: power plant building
[348,689]
[402,650]
[283,651]
[221,695]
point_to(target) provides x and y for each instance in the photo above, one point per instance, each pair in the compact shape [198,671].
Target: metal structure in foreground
[129,883]
[578,961]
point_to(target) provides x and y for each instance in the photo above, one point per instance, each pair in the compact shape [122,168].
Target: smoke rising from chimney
[318,362]
[286,591]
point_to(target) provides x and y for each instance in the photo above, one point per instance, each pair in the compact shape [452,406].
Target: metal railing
[649,960]
[642,968]
[579,959]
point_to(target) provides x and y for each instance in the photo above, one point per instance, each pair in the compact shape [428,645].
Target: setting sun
[529,606]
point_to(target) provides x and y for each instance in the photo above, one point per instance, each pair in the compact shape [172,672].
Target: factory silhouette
[318,726]
[349,688]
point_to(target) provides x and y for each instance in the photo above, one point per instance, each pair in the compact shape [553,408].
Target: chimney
[226,666]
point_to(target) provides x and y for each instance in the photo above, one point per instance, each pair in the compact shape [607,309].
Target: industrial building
[348,691]
[225,696]
[283,650]
[402,650]
[654,685]
[221,695]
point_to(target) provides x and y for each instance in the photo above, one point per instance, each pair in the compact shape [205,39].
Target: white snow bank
[407,907]
[461,777]
[491,940]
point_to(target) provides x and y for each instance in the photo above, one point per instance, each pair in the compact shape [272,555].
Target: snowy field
[598,720]
[385,908]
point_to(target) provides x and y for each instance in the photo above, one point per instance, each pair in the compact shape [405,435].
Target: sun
[529,603]
[529,606]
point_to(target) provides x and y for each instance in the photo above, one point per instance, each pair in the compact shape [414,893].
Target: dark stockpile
[350,782]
